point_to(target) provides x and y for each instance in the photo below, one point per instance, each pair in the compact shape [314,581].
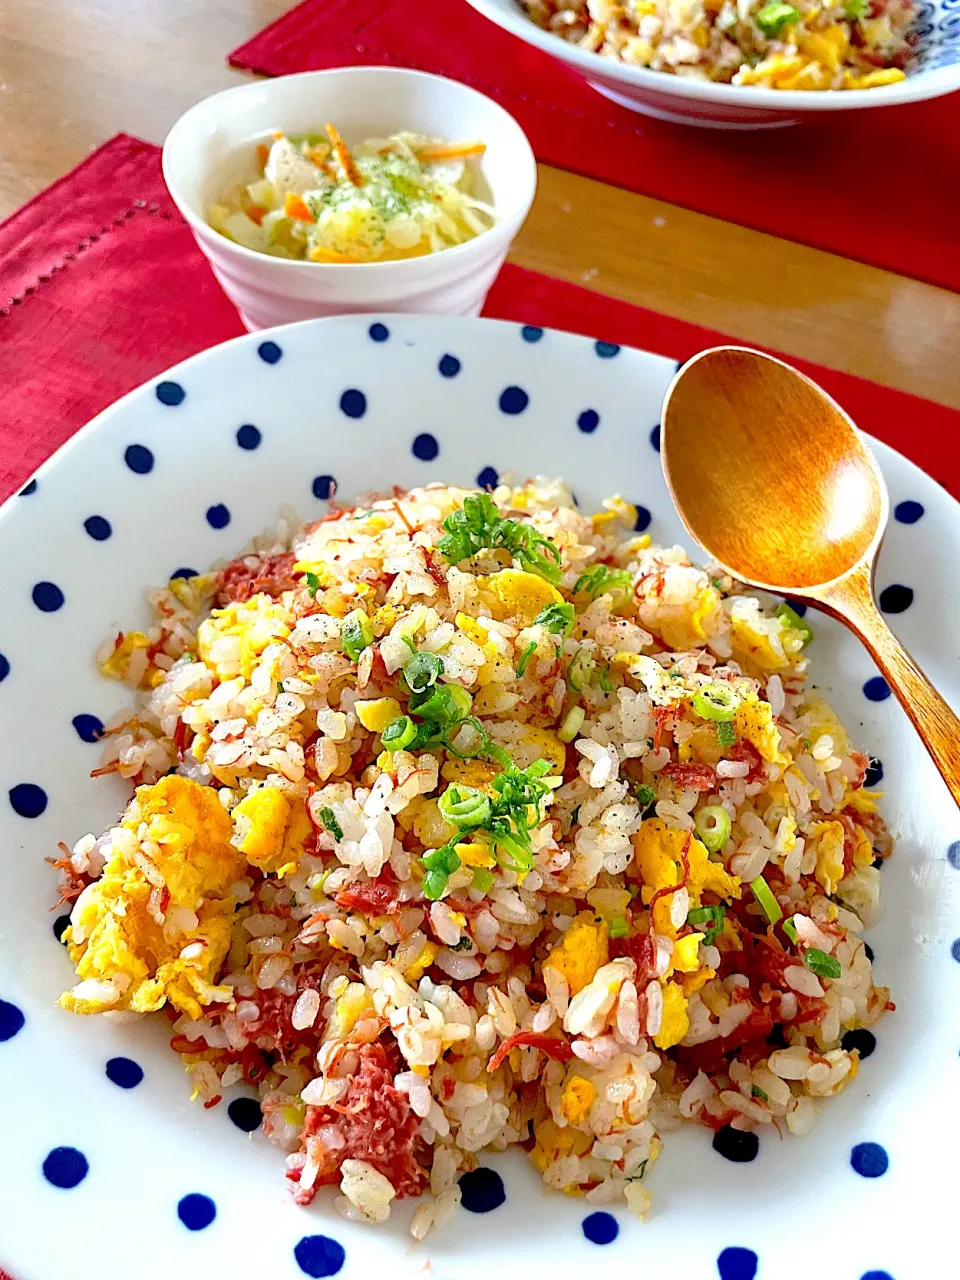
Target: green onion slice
[773,17]
[572,722]
[645,795]
[466,739]
[525,658]
[790,929]
[726,734]
[580,671]
[618,927]
[465,807]
[398,734]
[790,618]
[356,633]
[717,701]
[434,883]
[330,822]
[710,919]
[768,903]
[313,585]
[823,965]
[422,671]
[713,826]
[557,618]
[482,879]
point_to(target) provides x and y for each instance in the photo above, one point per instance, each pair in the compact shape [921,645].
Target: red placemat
[109,289]
[879,186]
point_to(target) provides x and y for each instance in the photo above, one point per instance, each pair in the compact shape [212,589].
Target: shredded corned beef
[376,1124]
[241,579]
[701,777]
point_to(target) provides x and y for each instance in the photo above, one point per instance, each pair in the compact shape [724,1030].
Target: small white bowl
[208,150]
[681,99]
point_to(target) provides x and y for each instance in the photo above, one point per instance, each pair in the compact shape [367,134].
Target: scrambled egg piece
[415,971]
[541,744]
[475,854]
[469,773]
[521,593]
[862,847]
[122,953]
[375,714]
[351,1005]
[865,802]
[685,950]
[658,855]
[753,644]
[252,625]
[581,951]
[268,830]
[829,871]
[675,1023]
[554,1142]
[116,665]
[753,720]
[685,632]
[577,1099]
[823,719]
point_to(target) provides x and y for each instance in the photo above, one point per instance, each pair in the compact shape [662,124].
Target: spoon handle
[851,600]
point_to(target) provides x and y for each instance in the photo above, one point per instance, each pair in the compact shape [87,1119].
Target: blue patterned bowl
[106,1169]
[934,71]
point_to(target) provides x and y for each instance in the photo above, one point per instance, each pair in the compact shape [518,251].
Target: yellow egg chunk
[375,714]
[552,1142]
[541,744]
[658,858]
[675,1023]
[521,594]
[753,721]
[581,951]
[829,870]
[116,665]
[469,773]
[577,1099]
[230,639]
[415,971]
[268,830]
[684,958]
[350,1007]
[685,632]
[173,840]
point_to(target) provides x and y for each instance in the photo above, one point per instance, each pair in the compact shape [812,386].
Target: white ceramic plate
[163,474]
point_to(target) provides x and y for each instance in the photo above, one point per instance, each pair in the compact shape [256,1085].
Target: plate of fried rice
[417,861]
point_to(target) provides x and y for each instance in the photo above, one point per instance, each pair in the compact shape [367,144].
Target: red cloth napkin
[882,186]
[109,289]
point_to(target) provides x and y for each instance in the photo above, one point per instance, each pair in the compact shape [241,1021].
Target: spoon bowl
[782,485]
[774,481]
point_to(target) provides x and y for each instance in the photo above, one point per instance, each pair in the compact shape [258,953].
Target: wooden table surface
[74,72]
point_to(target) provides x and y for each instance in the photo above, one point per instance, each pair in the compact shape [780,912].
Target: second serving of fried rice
[466,821]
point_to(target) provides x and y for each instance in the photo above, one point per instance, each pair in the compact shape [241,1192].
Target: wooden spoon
[775,482]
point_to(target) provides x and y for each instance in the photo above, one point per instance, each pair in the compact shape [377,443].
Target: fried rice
[857,44]
[467,821]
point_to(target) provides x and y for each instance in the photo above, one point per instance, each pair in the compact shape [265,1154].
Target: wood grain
[74,72]
[770,477]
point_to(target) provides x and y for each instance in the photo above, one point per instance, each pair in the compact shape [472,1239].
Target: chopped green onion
[726,734]
[645,795]
[773,17]
[398,734]
[581,668]
[571,724]
[525,658]
[790,929]
[465,807]
[717,701]
[764,896]
[467,738]
[482,879]
[478,526]
[600,579]
[602,680]
[444,704]
[823,965]
[445,859]
[409,642]
[330,822]
[757,1092]
[711,917]
[557,618]
[433,885]
[313,585]
[280,688]
[356,633]
[422,671]
[618,927]
[713,826]
[856,10]
[790,618]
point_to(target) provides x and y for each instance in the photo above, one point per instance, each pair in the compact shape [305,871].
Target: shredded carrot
[256,213]
[319,253]
[295,207]
[340,150]
[451,150]
[263,153]
[277,135]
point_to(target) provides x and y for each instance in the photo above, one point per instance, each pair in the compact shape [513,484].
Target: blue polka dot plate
[106,1168]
